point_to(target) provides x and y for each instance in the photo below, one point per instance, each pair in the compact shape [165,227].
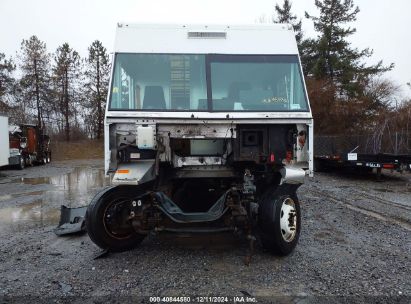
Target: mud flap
[72,220]
[135,173]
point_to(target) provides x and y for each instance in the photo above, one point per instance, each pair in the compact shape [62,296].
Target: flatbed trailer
[358,152]
[378,161]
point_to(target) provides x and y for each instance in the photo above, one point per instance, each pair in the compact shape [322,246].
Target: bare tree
[96,86]
[6,80]
[35,78]
[66,75]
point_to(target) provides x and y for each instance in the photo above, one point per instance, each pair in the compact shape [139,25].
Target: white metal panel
[165,120]
[146,137]
[4,141]
[227,116]
[240,39]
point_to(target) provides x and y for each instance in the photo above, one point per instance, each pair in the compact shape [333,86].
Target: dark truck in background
[29,145]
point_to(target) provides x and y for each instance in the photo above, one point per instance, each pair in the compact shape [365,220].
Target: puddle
[41,208]
[6,197]
[34,181]
[28,216]
[14,196]
[383,190]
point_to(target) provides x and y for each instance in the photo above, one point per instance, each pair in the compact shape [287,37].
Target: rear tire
[106,219]
[22,163]
[44,159]
[279,222]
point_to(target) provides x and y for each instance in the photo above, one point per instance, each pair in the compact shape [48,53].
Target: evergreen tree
[331,56]
[66,75]
[6,80]
[35,78]
[97,75]
[283,15]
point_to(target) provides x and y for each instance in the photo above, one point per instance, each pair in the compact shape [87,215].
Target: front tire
[106,219]
[279,222]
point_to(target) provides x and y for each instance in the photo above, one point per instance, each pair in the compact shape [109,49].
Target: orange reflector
[123,171]
[388,166]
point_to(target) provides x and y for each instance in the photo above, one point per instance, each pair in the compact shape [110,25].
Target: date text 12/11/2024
[207,299]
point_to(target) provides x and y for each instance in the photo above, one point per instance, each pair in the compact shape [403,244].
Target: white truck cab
[208,128]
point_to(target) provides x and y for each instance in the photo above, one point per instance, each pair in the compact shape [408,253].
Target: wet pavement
[355,242]
[35,201]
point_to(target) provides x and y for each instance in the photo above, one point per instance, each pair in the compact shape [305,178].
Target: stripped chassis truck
[208,129]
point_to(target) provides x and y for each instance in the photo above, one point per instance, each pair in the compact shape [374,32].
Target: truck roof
[205,39]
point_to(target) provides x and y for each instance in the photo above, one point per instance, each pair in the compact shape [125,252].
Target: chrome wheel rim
[288,220]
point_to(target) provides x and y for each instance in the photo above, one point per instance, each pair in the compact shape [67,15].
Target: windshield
[166,82]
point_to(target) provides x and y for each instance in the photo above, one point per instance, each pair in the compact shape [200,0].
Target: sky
[381,25]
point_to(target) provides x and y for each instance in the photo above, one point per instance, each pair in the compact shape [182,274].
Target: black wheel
[44,159]
[22,164]
[279,222]
[29,161]
[107,219]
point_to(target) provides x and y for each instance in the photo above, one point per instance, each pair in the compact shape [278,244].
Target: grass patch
[81,149]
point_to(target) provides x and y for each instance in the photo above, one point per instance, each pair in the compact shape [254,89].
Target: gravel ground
[355,246]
